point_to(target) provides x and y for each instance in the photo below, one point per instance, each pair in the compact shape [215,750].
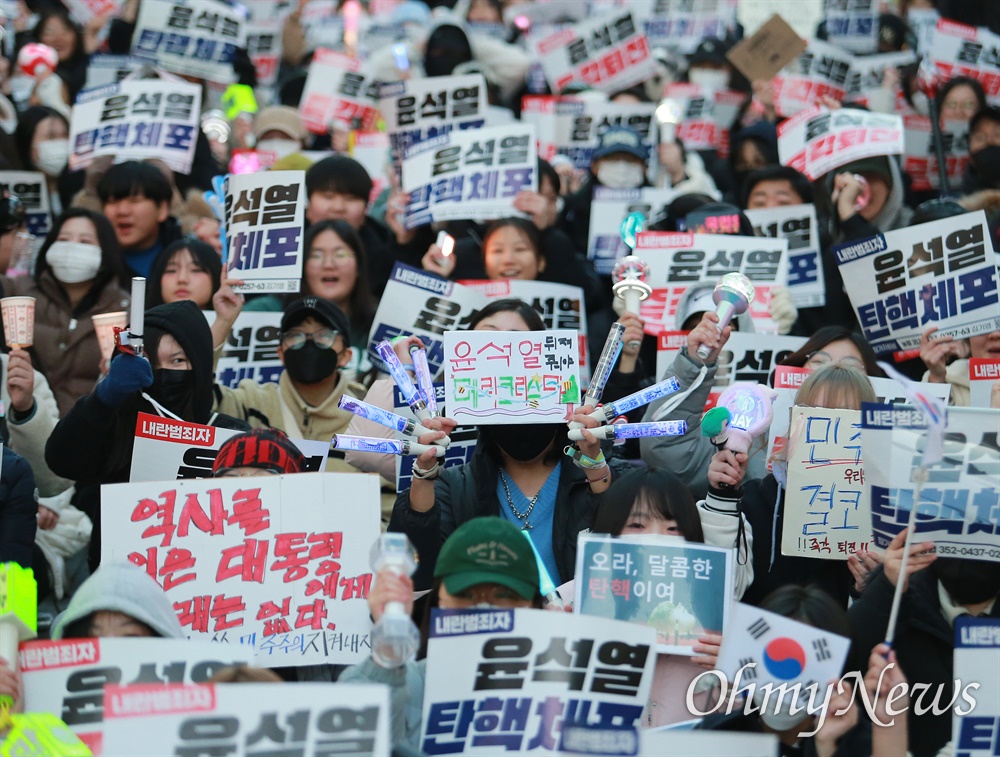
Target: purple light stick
[383,446]
[424,381]
[632,430]
[398,373]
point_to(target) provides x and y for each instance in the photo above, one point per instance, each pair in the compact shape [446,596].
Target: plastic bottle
[395,639]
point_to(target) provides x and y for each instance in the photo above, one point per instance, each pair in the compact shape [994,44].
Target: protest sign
[251,350]
[609,208]
[942,273]
[680,25]
[337,92]
[682,589]
[818,140]
[827,513]
[110,69]
[608,53]
[959,50]
[539,111]
[166,449]
[83,11]
[245,563]
[246,718]
[192,37]
[772,649]
[821,70]
[32,189]
[958,505]
[421,304]
[852,24]
[984,372]
[680,260]
[264,47]
[773,46]
[137,119]
[469,175]
[577,126]
[416,110]
[868,73]
[371,150]
[459,452]
[499,377]
[920,157]
[704,118]
[559,668]
[797,224]
[265,215]
[68,677]
[976,660]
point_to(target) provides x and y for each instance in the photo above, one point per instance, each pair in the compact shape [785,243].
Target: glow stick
[386,418]
[632,430]
[136,322]
[609,356]
[446,242]
[546,586]
[641,398]
[403,381]
[424,381]
[384,446]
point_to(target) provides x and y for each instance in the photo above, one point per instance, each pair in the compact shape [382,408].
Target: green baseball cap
[488,551]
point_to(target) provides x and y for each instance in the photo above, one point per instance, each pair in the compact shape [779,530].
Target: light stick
[384,446]
[136,322]
[635,400]
[410,392]
[632,430]
[733,295]
[630,274]
[386,418]
[546,586]
[446,242]
[425,384]
[609,356]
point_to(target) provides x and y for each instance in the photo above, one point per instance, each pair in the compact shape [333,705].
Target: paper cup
[104,325]
[18,321]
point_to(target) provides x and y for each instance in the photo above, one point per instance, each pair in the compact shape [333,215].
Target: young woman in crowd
[186,270]
[76,277]
[42,139]
[947,360]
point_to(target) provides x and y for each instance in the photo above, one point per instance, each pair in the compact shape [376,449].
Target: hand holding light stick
[136,322]
[733,295]
[384,446]
[643,397]
[403,381]
[386,418]
[631,272]
[632,430]
[605,364]
[743,412]
[425,384]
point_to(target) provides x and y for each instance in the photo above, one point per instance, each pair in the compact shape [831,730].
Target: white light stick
[632,430]
[446,242]
[643,397]
[386,418]
[403,381]
[384,446]
[609,356]
[136,322]
[630,274]
[425,384]
[733,295]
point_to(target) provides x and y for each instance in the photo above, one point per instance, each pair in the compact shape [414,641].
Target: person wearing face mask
[76,277]
[279,130]
[305,403]
[983,171]
[92,444]
[467,575]
[42,139]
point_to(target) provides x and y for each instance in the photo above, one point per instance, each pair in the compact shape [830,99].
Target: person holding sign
[936,353]
[468,574]
[92,444]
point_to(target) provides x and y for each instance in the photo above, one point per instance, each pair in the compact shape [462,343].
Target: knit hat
[280,118]
[266,448]
[488,551]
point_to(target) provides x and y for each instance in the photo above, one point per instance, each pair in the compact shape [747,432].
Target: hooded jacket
[18,510]
[125,588]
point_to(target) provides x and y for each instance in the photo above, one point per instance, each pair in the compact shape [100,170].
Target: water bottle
[395,639]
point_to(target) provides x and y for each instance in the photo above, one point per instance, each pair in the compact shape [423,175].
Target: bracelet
[426,475]
[580,460]
[604,478]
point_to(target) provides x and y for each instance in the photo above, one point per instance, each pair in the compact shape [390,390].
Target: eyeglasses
[820,358]
[338,256]
[293,340]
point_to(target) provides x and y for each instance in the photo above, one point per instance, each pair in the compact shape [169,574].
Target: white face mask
[709,78]
[280,147]
[620,174]
[53,155]
[73,262]
[778,715]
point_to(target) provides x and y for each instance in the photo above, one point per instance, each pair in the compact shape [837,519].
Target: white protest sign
[976,660]
[418,109]
[135,120]
[609,208]
[84,10]
[471,174]
[682,589]
[607,53]
[264,47]
[323,25]
[681,24]
[68,677]
[499,377]
[827,513]
[942,273]
[679,260]
[577,126]
[984,372]
[421,304]
[533,671]
[166,449]
[959,50]
[245,563]
[110,69]
[771,649]
[852,24]
[318,719]
[797,224]
[251,349]
[539,111]
[920,159]
[337,91]
[868,73]
[372,150]
[704,118]
[821,70]
[958,507]
[32,189]
[265,216]
[818,140]
[192,37]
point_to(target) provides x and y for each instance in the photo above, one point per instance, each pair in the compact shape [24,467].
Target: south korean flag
[772,649]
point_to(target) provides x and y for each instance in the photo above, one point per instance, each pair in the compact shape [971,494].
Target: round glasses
[293,340]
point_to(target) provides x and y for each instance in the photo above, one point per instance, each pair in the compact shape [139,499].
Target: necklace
[531,504]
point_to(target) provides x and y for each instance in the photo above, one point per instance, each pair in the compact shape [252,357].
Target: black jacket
[470,491]
[18,510]
[924,644]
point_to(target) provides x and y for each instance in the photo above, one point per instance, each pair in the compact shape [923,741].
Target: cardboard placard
[772,47]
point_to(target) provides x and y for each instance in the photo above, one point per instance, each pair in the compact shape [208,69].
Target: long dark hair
[361,302]
[524,226]
[203,255]
[27,125]
[659,492]
[958,81]
[111,269]
[528,314]
[828,335]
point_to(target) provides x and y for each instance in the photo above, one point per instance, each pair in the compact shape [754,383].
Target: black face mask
[987,164]
[172,389]
[968,582]
[523,441]
[310,364]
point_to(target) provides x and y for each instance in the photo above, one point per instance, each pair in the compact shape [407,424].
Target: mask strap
[160,409]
